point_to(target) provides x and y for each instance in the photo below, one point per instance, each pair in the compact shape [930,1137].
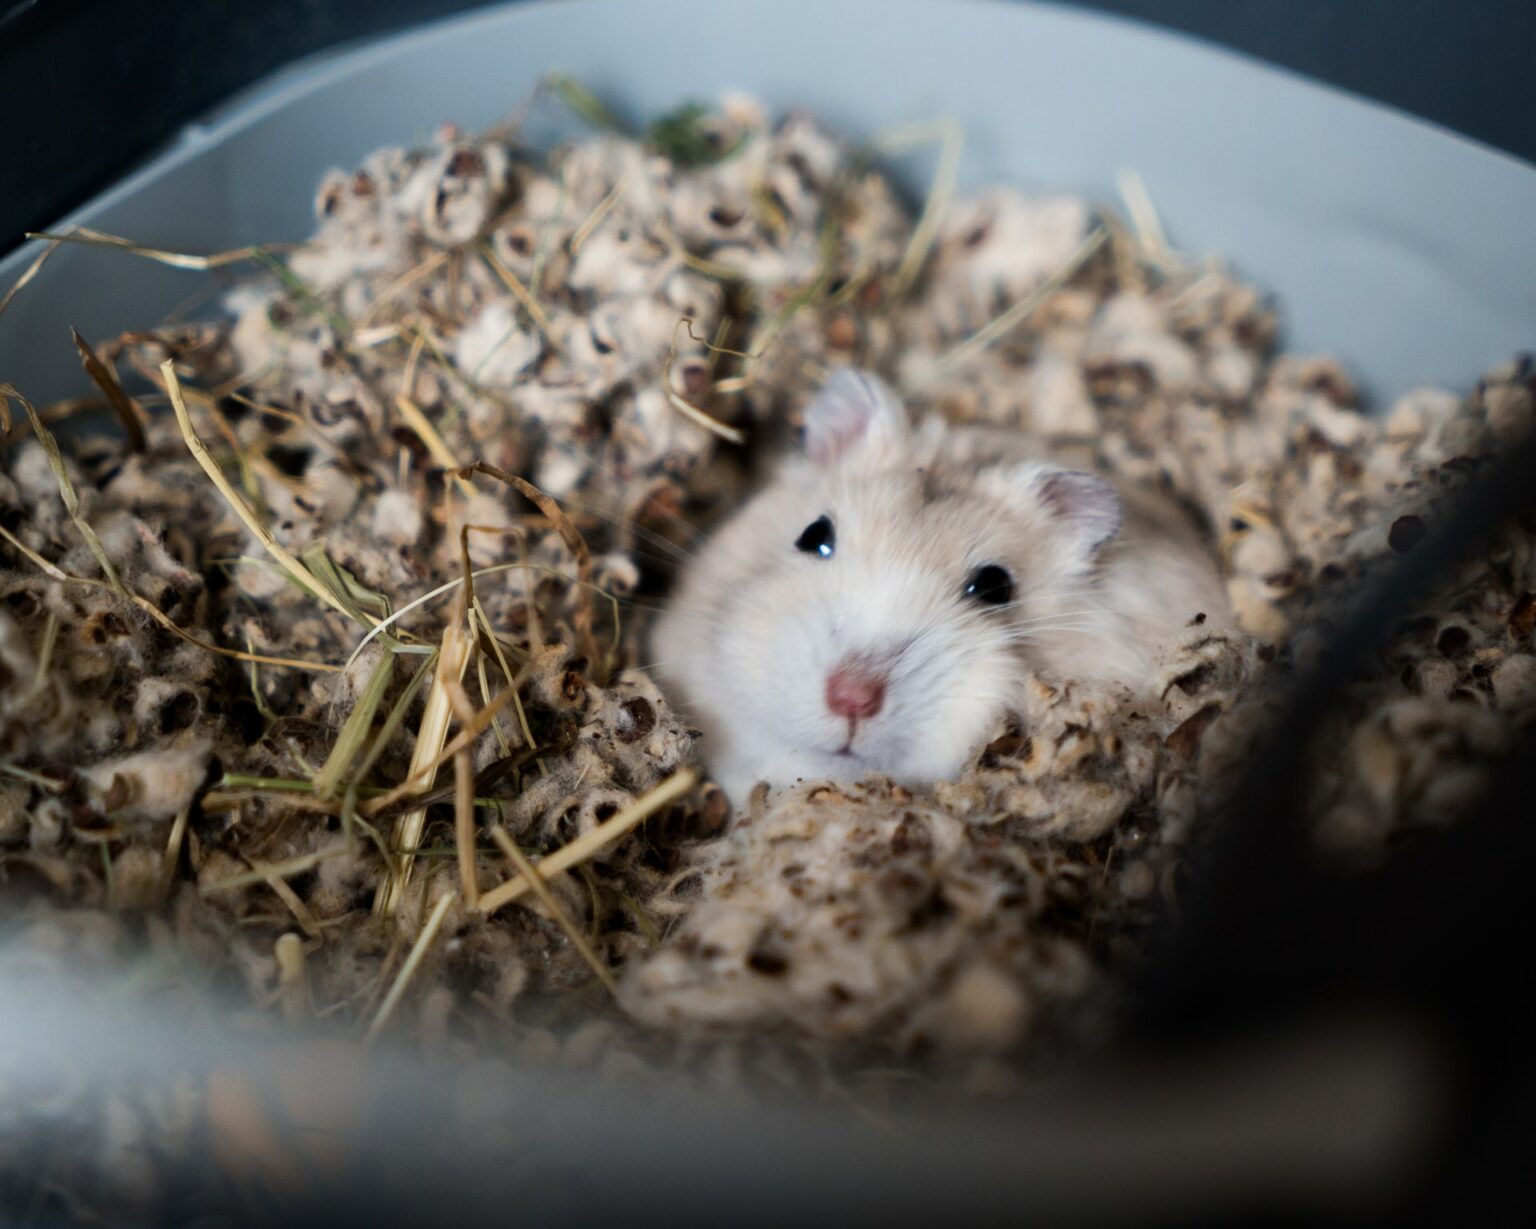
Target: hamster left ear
[854,411]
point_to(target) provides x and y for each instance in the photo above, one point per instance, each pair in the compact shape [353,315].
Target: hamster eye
[990,584]
[819,538]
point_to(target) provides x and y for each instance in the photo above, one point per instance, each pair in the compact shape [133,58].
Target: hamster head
[872,609]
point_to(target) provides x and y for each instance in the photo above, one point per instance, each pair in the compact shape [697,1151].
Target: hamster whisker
[1083,629]
[1046,620]
[631,604]
[1063,593]
[676,553]
[672,599]
[1068,601]
[1036,632]
[1047,614]
[648,667]
[1047,629]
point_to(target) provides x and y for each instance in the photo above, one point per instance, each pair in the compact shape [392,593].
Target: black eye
[818,539]
[990,584]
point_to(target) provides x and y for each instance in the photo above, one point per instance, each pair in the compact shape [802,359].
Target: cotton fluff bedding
[632,325]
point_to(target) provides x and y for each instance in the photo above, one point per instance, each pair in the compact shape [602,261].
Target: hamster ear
[854,411]
[1085,506]
[1084,503]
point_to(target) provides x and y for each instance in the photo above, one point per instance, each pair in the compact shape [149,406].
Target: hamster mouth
[852,749]
[865,753]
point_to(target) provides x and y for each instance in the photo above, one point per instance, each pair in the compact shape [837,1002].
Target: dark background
[89,88]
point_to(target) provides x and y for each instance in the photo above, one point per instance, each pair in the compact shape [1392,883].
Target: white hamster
[883,601]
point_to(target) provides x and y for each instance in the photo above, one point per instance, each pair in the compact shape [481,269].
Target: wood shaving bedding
[598,320]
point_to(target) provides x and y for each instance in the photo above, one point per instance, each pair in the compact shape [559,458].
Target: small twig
[173,844]
[44,659]
[266,872]
[458,582]
[1025,307]
[354,731]
[584,847]
[594,220]
[464,803]
[690,411]
[160,617]
[290,898]
[452,661]
[1150,235]
[486,778]
[703,265]
[951,138]
[393,720]
[275,785]
[428,434]
[276,549]
[526,869]
[408,969]
[108,878]
[585,104]
[520,292]
[292,981]
[46,784]
[66,488]
[355,597]
[573,540]
[122,404]
[464,826]
[411,787]
[179,260]
[481,629]
[27,276]
[402,283]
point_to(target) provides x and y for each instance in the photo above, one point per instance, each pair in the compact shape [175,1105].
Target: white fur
[755,625]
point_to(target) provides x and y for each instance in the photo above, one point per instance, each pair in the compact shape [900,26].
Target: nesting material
[292,711]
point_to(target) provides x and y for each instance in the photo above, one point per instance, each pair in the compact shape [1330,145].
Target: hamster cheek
[972,691]
[775,660]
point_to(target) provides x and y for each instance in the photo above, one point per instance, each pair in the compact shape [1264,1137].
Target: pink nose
[855,692]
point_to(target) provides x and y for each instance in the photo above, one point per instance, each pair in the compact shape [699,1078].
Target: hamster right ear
[854,412]
[1085,508]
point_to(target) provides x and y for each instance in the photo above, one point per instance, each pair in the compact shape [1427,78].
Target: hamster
[883,601]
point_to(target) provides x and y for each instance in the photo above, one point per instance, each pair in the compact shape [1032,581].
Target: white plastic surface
[1409,251]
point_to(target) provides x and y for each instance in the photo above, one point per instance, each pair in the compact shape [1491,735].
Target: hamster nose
[855,692]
